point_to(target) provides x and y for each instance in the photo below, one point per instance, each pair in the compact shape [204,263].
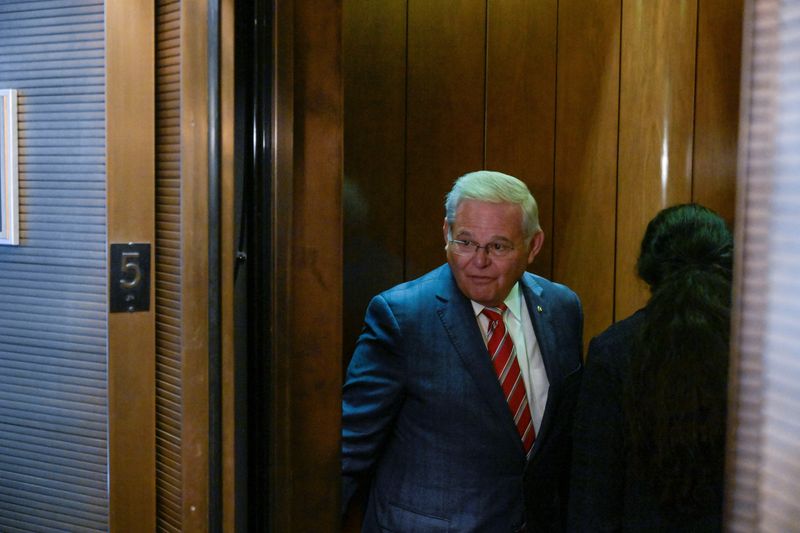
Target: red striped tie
[504,360]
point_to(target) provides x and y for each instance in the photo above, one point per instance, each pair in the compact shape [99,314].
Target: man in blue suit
[427,420]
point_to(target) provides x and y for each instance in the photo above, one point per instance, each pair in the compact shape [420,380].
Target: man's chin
[483,297]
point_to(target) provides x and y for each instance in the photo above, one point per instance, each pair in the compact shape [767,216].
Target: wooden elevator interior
[609,110]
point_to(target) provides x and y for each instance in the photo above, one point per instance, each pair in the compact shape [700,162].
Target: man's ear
[536,243]
[445,231]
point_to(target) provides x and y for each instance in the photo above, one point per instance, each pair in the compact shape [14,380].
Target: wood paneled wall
[656,104]
[609,110]
[587,108]
[306,282]
[520,98]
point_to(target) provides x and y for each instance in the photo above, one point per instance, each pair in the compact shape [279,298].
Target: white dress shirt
[520,327]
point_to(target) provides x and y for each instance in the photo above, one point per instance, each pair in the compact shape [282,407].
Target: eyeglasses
[494,249]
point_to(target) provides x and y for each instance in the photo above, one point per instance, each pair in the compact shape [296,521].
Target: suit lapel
[545,337]
[458,318]
[542,326]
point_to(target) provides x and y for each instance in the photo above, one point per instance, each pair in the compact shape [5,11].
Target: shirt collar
[513,301]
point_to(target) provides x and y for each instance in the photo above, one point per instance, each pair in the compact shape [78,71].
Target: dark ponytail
[676,390]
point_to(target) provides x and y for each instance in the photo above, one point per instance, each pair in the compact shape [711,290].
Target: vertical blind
[765,477]
[53,408]
[779,508]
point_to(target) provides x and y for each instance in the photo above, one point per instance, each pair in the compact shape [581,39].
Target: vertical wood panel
[277,315]
[520,102]
[445,135]
[374,71]
[656,127]
[131,196]
[586,154]
[228,251]
[308,311]
[374,65]
[719,52]
[194,267]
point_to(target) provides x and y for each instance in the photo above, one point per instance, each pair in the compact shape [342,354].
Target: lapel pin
[539,308]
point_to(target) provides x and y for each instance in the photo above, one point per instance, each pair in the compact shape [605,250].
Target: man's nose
[481,257]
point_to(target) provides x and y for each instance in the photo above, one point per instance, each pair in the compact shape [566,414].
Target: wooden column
[228,251]
[130,167]
[194,264]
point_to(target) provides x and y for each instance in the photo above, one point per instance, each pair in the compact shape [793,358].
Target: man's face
[482,277]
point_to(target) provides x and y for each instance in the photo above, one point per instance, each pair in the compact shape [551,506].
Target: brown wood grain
[520,103]
[282,174]
[194,266]
[308,309]
[374,67]
[228,253]
[586,155]
[130,167]
[719,53]
[445,131]
[656,128]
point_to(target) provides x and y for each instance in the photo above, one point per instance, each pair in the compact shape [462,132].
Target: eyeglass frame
[506,250]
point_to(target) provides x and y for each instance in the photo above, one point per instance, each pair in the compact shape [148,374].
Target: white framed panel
[9,213]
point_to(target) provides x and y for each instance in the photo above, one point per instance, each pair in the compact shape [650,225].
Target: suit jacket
[426,424]
[607,493]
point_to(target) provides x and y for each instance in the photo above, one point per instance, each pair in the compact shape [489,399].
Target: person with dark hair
[648,440]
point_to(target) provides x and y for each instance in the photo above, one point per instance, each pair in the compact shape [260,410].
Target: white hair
[491,186]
